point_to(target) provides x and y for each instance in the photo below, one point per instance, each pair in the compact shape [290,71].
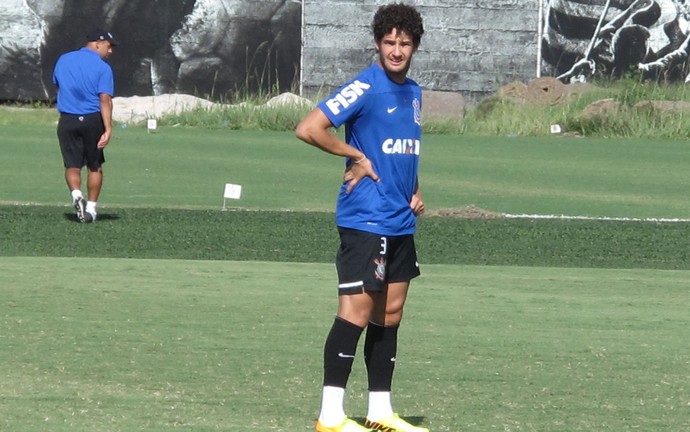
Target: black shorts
[367,262]
[78,136]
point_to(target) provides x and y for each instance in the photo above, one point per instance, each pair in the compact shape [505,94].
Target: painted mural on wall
[583,38]
[207,48]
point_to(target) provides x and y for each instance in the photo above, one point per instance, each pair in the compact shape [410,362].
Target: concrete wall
[469,46]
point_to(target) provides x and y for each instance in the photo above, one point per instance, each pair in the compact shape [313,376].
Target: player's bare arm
[416,203]
[106,102]
[315,128]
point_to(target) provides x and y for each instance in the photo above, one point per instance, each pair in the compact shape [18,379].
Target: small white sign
[152,125]
[555,129]
[232,191]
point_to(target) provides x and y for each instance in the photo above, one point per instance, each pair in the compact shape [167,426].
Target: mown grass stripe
[280,236]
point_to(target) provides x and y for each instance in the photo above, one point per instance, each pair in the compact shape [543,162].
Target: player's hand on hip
[357,171]
[417,205]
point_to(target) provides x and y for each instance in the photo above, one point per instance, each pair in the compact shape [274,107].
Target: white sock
[379,405]
[76,194]
[91,207]
[332,412]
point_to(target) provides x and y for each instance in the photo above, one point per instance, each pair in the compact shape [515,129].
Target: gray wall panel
[469,46]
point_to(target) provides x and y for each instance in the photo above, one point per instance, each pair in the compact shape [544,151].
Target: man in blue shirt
[376,216]
[85,101]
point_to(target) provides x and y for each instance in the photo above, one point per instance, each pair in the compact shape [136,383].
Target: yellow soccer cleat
[393,423]
[347,425]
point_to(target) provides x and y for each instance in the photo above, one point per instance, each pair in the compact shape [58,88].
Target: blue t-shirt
[382,119]
[81,76]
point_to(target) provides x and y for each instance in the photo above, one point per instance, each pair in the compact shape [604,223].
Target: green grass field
[236,346]
[187,168]
[169,313]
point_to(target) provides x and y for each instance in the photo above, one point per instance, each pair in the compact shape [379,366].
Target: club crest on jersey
[380,271]
[417,106]
[347,96]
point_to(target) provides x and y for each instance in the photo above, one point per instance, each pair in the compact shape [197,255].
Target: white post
[301,54]
[540,34]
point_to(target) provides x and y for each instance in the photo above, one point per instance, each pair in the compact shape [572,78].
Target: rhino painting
[206,48]
[611,37]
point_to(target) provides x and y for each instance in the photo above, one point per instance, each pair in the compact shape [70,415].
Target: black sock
[339,352]
[380,348]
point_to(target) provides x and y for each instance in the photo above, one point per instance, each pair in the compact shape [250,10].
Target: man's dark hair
[401,17]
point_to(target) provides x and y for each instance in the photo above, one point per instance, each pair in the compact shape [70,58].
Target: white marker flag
[232,191]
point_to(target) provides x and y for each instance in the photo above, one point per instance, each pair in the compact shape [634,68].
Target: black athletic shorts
[78,136]
[367,262]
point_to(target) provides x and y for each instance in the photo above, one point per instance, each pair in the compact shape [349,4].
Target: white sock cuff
[91,206]
[332,410]
[379,405]
[76,194]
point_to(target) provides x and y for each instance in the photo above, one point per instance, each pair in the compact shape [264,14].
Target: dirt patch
[602,109]
[467,212]
[545,91]
[542,91]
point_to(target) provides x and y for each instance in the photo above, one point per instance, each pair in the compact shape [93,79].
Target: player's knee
[393,316]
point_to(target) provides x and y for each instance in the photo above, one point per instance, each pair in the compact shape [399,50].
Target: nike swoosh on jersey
[390,110]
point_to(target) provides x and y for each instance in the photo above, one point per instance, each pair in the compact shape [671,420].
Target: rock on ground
[136,109]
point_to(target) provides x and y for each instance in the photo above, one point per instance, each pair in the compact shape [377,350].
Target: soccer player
[376,216]
[85,101]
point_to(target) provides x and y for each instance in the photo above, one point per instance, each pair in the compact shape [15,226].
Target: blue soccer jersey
[81,76]
[382,119]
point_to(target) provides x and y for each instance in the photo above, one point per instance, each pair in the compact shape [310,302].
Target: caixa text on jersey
[401,146]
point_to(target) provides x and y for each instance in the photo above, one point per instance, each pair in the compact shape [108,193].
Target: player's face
[395,54]
[104,48]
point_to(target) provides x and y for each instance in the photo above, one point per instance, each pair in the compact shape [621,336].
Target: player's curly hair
[401,17]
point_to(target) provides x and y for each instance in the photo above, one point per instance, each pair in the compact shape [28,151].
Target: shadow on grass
[102,217]
[413,420]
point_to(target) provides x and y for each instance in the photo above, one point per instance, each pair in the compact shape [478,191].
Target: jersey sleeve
[56,71]
[347,102]
[105,81]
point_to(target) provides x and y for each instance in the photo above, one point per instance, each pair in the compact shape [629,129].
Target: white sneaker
[80,208]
